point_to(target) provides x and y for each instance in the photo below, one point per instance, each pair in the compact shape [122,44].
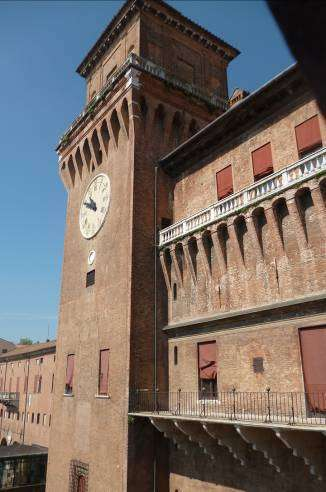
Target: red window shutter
[207,360]
[70,372]
[262,161]
[224,182]
[81,484]
[104,372]
[313,350]
[17,385]
[308,135]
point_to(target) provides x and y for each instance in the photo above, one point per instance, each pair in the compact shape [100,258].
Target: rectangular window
[10,387]
[17,385]
[69,374]
[52,383]
[262,161]
[44,419]
[32,417]
[207,370]
[224,182]
[103,372]
[90,278]
[25,384]
[39,384]
[308,136]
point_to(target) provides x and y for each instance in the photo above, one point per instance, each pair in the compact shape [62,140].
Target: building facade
[26,389]
[193,294]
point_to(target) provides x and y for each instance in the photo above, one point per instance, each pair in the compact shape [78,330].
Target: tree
[25,341]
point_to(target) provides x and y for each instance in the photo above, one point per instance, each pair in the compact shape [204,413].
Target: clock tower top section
[157,33]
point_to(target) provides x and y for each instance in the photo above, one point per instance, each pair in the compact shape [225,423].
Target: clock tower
[154,78]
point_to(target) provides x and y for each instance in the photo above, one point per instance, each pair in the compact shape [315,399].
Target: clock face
[94,206]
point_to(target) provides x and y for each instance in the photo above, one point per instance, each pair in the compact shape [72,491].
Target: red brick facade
[245,272]
[27,374]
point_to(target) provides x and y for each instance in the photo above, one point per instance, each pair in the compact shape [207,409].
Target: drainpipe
[155,284]
[4,389]
[26,394]
[155,322]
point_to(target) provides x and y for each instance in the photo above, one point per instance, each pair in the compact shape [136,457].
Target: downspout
[4,389]
[26,394]
[155,323]
[155,285]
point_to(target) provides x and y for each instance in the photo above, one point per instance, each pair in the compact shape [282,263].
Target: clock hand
[94,207]
[91,205]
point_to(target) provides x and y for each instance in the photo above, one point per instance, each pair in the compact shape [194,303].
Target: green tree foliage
[25,341]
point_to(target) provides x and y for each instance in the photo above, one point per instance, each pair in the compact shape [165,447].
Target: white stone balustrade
[300,171]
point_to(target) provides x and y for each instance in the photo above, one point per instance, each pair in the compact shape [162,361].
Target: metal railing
[273,184]
[9,398]
[265,407]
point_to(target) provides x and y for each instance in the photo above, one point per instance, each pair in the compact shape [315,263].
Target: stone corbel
[273,230]
[195,432]
[93,158]
[185,245]
[235,242]
[99,136]
[166,275]
[296,218]
[264,441]
[254,235]
[218,250]
[202,252]
[170,431]
[307,445]
[81,149]
[176,267]
[226,436]
[63,174]
[319,203]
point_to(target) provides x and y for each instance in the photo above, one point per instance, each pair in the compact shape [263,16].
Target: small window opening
[258,364]
[90,278]
[175,356]
[175,292]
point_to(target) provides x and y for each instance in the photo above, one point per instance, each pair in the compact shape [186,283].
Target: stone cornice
[168,15]
[290,309]
[135,63]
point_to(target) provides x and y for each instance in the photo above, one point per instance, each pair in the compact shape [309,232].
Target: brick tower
[154,78]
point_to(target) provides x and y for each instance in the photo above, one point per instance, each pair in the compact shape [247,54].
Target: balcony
[9,399]
[281,426]
[293,175]
[303,409]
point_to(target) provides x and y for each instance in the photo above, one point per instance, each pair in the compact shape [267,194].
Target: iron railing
[265,407]
[9,398]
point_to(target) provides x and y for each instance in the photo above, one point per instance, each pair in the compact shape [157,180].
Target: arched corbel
[219,247]
[253,234]
[166,268]
[189,259]
[290,196]
[175,251]
[203,255]
[273,229]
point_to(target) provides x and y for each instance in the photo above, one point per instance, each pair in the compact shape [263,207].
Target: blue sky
[41,44]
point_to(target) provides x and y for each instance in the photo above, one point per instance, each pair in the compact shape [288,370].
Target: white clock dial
[94,206]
